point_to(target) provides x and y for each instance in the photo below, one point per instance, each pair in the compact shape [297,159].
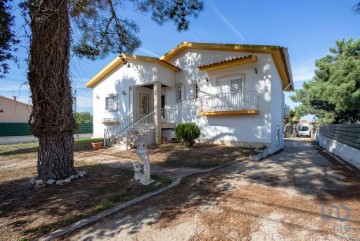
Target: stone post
[142,151]
[157,112]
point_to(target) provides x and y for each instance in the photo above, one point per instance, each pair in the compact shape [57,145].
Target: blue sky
[307,28]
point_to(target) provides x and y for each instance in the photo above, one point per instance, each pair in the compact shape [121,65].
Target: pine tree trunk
[55,160]
[52,118]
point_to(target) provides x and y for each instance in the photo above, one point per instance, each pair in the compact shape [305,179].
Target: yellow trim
[229,63]
[152,60]
[118,61]
[281,64]
[222,113]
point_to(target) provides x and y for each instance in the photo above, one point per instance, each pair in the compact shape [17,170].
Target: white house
[234,92]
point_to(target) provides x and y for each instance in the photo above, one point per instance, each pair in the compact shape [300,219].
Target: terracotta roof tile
[226,61]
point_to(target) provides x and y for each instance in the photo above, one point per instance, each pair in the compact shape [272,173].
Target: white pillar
[157,112]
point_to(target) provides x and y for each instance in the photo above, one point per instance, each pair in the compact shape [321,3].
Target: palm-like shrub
[187,133]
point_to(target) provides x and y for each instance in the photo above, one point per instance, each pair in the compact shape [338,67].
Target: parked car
[303,130]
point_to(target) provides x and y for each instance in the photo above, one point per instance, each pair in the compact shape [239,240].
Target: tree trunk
[55,160]
[52,118]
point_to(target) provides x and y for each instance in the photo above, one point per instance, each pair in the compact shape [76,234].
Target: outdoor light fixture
[123,92]
[207,79]
[255,70]
[97,97]
[128,65]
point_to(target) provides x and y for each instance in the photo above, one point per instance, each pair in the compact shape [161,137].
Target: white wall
[240,128]
[122,79]
[345,152]
[277,110]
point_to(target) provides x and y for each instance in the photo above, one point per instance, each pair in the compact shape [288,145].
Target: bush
[187,133]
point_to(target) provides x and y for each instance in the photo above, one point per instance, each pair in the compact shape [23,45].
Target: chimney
[14,98]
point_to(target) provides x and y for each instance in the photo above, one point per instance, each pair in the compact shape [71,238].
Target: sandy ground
[287,196]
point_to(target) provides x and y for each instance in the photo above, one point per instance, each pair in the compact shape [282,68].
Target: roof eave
[120,60]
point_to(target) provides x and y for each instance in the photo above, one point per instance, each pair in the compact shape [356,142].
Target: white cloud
[149,52]
[228,24]
[305,71]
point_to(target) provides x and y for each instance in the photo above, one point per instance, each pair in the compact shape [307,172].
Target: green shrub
[187,133]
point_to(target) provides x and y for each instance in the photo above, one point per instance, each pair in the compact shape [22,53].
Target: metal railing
[117,130]
[141,127]
[144,124]
[247,100]
[169,115]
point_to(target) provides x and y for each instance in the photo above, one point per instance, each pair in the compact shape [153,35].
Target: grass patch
[29,150]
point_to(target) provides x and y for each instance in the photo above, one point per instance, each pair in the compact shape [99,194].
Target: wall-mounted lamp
[97,97]
[207,79]
[128,65]
[123,92]
[255,70]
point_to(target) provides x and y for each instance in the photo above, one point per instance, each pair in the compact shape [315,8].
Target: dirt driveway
[287,196]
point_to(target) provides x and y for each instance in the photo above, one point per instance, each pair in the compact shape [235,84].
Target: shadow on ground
[300,167]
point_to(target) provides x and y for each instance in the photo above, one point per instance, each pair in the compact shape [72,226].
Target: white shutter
[182,94]
[236,85]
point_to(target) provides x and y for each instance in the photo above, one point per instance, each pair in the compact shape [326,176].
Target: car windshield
[303,128]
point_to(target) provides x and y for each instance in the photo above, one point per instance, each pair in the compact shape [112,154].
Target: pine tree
[101,31]
[334,93]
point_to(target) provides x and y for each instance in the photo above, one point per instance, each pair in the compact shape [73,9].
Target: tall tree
[334,93]
[83,117]
[100,29]
[357,8]
[7,37]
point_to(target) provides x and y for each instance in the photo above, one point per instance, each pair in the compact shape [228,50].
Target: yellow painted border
[278,53]
[224,113]
[229,63]
[118,61]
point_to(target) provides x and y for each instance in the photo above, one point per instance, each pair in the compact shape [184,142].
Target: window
[180,92]
[277,135]
[236,85]
[111,103]
[231,84]
[193,91]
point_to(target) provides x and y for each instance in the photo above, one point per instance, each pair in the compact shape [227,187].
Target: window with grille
[111,103]
[193,91]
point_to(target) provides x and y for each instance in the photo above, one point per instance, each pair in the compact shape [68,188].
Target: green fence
[23,129]
[85,128]
[348,134]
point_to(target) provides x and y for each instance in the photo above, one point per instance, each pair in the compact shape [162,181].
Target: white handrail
[168,115]
[248,100]
[117,130]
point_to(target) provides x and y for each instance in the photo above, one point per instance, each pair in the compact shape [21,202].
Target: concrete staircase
[122,136]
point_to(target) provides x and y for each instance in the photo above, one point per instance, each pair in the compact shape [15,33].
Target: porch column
[157,112]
